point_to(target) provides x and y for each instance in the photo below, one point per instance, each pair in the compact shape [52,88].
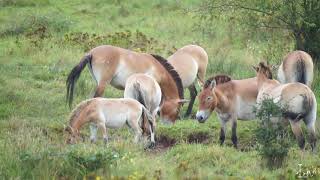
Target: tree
[301,18]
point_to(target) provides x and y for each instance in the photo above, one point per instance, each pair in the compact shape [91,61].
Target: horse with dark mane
[230,99]
[114,65]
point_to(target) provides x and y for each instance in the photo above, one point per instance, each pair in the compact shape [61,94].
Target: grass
[36,57]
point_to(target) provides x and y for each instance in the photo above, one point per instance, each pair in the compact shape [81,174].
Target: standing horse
[114,65]
[230,99]
[191,63]
[102,113]
[297,66]
[147,91]
[296,99]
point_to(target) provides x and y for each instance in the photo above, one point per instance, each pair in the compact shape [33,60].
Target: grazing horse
[297,66]
[114,65]
[191,63]
[296,99]
[230,99]
[146,90]
[102,113]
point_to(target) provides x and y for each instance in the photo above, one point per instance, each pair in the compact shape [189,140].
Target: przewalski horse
[230,99]
[146,90]
[297,66]
[113,65]
[191,63]
[112,113]
[296,100]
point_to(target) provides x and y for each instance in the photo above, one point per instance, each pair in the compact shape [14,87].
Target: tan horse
[297,100]
[146,90]
[112,113]
[114,65]
[191,63]
[230,99]
[297,66]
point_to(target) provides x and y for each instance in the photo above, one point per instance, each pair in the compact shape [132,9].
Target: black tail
[74,76]
[141,99]
[301,71]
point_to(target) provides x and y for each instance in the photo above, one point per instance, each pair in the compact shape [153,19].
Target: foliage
[299,18]
[272,136]
[136,41]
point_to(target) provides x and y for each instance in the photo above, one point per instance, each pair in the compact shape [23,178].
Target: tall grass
[36,56]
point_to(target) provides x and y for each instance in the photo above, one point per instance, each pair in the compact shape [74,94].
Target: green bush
[272,136]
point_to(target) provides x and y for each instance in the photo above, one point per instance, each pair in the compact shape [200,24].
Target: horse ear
[213,84]
[182,101]
[256,68]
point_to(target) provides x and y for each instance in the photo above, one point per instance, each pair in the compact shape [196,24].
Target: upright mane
[265,69]
[77,110]
[220,79]
[170,69]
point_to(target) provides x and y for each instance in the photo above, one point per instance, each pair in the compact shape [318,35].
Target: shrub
[273,138]
[137,41]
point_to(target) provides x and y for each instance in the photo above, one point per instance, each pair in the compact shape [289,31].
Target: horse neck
[222,100]
[168,87]
[261,80]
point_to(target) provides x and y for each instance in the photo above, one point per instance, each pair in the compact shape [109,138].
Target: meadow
[41,41]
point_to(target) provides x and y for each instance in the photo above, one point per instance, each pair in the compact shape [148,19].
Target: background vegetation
[41,40]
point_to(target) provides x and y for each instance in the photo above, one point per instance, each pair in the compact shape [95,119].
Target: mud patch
[199,137]
[164,142]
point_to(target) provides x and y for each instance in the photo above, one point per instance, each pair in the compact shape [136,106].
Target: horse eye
[209,98]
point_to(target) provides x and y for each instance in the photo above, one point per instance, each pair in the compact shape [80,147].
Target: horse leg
[222,132]
[93,132]
[312,134]
[101,87]
[296,129]
[193,95]
[152,131]
[234,137]
[134,124]
[103,128]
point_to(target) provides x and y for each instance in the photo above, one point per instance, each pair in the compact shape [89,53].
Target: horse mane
[170,69]
[220,79]
[77,110]
[266,69]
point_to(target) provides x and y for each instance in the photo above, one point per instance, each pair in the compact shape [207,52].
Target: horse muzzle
[202,116]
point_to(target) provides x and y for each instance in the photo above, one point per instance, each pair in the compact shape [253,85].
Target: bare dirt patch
[200,137]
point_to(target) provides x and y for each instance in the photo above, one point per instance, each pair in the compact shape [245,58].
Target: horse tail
[74,76]
[301,71]
[145,111]
[146,119]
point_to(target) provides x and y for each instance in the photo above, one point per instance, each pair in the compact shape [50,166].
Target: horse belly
[116,121]
[245,110]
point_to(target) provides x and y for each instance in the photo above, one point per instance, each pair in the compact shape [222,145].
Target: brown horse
[230,99]
[296,99]
[191,63]
[114,65]
[297,66]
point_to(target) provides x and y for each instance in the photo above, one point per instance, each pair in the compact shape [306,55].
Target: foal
[191,63]
[146,90]
[230,99]
[102,113]
[297,66]
[298,100]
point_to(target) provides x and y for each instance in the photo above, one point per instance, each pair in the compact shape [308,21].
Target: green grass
[36,57]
